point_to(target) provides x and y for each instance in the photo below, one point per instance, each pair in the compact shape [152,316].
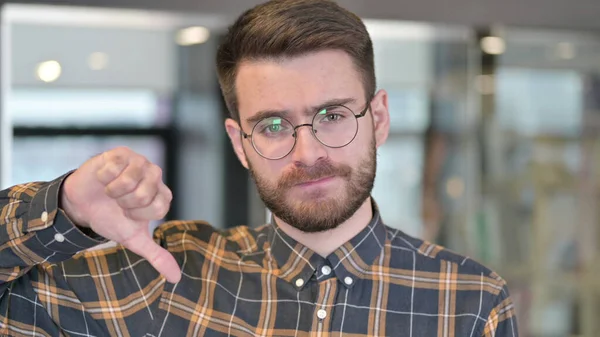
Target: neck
[325,243]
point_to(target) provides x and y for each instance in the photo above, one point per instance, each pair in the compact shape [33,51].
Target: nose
[308,150]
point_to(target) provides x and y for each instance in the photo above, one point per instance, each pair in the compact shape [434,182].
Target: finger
[129,179]
[143,245]
[112,166]
[158,208]
[145,192]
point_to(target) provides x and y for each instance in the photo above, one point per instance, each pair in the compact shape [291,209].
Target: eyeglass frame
[312,131]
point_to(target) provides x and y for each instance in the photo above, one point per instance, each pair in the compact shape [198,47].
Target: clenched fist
[117,194]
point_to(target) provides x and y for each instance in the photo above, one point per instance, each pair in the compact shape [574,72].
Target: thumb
[143,245]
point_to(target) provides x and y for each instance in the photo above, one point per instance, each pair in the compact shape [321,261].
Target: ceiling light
[98,61]
[192,35]
[49,71]
[493,45]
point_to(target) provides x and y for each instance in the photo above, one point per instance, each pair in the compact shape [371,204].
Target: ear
[235,135]
[381,117]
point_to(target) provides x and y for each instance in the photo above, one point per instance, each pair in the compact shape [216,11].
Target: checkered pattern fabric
[239,282]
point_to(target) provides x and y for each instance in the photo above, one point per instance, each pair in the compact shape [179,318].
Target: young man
[306,120]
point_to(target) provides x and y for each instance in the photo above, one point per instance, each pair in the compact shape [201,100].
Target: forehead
[296,83]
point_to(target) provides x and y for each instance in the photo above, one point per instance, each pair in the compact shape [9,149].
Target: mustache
[322,169]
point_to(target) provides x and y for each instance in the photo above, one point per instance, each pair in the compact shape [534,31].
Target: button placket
[324,304]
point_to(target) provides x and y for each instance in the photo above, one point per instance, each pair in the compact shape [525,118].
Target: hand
[117,194]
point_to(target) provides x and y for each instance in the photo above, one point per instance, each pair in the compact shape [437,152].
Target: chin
[309,197]
[316,214]
[328,196]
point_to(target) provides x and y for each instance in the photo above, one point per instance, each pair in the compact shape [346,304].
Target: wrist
[69,207]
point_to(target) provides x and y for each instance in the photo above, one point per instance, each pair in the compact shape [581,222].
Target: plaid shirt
[239,282]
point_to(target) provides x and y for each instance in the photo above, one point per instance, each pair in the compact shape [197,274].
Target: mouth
[316,182]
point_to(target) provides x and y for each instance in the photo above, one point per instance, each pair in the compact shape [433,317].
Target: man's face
[315,187]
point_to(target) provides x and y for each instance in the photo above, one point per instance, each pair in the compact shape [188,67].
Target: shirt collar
[297,264]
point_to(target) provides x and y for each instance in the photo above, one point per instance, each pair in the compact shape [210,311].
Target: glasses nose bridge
[312,130]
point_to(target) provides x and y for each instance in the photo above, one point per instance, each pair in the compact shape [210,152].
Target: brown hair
[288,28]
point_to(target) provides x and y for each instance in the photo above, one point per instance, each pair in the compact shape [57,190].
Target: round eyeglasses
[334,126]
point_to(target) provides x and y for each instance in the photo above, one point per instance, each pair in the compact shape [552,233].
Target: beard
[315,213]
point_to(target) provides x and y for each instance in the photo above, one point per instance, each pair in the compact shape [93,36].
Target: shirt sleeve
[51,283]
[34,230]
[502,321]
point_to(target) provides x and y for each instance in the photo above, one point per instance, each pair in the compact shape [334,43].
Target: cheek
[269,170]
[360,145]
[365,130]
[348,155]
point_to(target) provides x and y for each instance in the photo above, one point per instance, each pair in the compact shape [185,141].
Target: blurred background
[494,151]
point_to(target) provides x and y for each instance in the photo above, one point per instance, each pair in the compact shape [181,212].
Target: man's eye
[332,117]
[274,128]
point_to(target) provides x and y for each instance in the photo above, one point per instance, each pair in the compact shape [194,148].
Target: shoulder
[433,258]
[474,287]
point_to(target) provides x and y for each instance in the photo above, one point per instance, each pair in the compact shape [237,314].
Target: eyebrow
[283,113]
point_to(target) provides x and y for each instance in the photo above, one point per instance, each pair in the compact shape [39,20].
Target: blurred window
[409,108]
[60,107]
[540,101]
[45,158]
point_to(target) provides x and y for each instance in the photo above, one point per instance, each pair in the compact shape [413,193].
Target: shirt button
[326,270]
[348,280]
[321,314]
[44,216]
[59,237]
[299,282]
